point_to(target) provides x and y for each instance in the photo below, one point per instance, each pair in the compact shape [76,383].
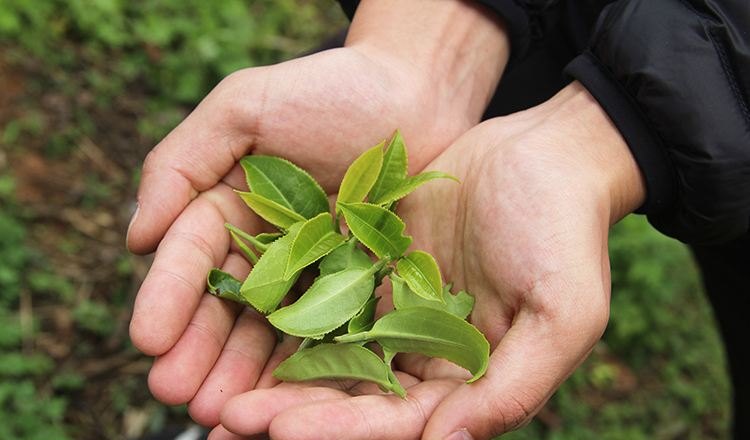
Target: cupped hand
[319,111]
[316,111]
[526,233]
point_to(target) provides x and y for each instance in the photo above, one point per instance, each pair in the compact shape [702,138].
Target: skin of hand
[526,233]
[424,66]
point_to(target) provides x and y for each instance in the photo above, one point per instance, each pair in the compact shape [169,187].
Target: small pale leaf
[271,211]
[361,175]
[393,171]
[421,272]
[266,285]
[316,238]
[408,185]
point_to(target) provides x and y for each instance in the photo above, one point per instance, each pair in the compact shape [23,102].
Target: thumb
[195,156]
[533,358]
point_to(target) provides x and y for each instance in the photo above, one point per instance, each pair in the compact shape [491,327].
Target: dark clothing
[727,281]
[674,76]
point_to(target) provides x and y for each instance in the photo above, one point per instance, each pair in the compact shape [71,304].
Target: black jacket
[673,75]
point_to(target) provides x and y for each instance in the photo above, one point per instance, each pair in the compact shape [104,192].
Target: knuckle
[511,413]
[150,162]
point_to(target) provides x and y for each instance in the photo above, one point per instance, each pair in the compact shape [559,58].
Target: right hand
[320,112]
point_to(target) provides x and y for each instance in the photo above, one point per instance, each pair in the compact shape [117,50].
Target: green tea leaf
[315,239]
[460,304]
[329,302]
[270,211]
[364,319]
[421,272]
[347,256]
[430,332]
[286,184]
[266,286]
[224,285]
[408,185]
[268,237]
[393,171]
[377,228]
[339,361]
[361,175]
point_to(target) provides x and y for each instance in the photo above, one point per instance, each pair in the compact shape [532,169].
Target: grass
[89,86]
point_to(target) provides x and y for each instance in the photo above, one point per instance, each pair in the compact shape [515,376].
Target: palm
[294,110]
[537,273]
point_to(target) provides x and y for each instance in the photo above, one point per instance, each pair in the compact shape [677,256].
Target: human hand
[401,68]
[526,233]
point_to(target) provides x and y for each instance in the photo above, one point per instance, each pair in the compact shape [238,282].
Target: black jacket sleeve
[674,76]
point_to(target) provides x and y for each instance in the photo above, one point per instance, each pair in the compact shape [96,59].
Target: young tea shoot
[336,314]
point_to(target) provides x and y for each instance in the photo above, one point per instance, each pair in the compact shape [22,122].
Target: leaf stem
[336,221]
[249,254]
[261,247]
[355,337]
[307,342]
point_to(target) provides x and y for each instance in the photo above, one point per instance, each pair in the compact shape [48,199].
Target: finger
[531,361]
[176,376]
[221,433]
[428,368]
[175,283]
[265,404]
[237,369]
[196,155]
[283,350]
[366,417]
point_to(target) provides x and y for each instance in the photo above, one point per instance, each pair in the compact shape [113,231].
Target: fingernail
[460,435]
[132,220]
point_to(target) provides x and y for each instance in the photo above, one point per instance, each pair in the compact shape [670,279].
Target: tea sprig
[336,314]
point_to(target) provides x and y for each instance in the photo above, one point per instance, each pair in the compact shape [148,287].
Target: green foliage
[431,332]
[267,285]
[408,185]
[119,74]
[361,176]
[347,256]
[173,51]
[271,211]
[315,240]
[349,361]
[377,228]
[394,168]
[338,310]
[460,304]
[330,302]
[25,414]
[422,274]
[286,184]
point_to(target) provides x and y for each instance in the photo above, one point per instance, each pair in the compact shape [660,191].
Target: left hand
[526,234]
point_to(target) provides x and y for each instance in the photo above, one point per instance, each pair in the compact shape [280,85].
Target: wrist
[451,48]
[598,147]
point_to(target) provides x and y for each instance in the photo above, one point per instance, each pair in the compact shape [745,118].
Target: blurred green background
[88,86]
